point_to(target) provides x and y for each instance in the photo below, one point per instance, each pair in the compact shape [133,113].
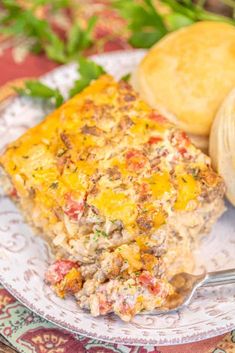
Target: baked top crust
[108,149]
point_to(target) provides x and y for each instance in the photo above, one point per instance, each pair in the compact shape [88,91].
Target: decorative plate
[24,257]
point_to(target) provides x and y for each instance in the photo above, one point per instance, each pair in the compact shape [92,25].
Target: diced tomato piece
[74,209]
[182,151]
[131,153]
[185,138]
[104,306]
[135,160]
[158,117]
[143,188]
[13,193]
[154,139]
[181,141]
[58,270]
[101,31]
[148,281]
[156,289]
[181,138]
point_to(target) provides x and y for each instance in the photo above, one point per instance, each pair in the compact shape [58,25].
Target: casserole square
[122,196]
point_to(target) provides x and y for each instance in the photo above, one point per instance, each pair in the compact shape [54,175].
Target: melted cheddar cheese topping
[105,148]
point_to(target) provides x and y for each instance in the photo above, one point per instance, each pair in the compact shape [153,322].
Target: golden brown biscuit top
[105,148]
[189,73]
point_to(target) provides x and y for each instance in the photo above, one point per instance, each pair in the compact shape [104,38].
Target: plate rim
[116,340]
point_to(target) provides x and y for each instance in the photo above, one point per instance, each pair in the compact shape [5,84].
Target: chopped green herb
[126,77]
[54,185]
[17,20]
[194,12]
[101,233]
[37,89]
[147,25]
[195,172]
[79,39]
[177,20]
[88,71]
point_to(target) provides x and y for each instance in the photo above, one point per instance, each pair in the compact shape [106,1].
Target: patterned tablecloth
[29,333]
[22,329]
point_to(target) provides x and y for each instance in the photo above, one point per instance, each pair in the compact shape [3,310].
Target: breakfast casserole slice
[120,193]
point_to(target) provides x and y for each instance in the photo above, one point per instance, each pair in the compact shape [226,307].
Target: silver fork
[186,285]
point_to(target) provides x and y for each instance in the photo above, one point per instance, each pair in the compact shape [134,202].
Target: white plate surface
[24,257]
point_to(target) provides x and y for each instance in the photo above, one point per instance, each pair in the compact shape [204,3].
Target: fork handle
[219,277]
